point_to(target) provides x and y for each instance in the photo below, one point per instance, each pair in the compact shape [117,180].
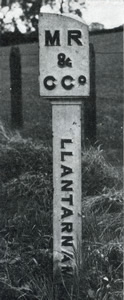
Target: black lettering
[65,85]
[68,241]
[67,256]
[74,35]
[82,80]
[66,187]
[66,212]
[64,141]
[61,60]
[67,227]
[67,271]
[51,86]
[63,154]
[65,259]
[65,170]
[52,40]
[70,199]
[68,62]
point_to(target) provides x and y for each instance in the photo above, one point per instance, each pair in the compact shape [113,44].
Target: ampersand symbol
[63,61]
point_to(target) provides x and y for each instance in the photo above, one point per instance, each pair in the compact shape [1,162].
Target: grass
[26,223]
[26,240]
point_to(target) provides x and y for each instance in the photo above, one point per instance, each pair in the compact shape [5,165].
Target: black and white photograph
[61,149]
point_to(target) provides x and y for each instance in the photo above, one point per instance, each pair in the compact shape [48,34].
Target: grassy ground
[26,224]
[26,185]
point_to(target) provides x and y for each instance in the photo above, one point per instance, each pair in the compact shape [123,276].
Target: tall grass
[26,224]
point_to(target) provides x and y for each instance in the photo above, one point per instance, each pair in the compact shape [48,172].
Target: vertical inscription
[67,223]
[66,209]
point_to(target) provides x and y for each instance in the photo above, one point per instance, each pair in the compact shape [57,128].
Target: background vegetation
[26,185]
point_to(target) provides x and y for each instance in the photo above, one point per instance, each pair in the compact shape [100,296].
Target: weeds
[26,224]
[97,174]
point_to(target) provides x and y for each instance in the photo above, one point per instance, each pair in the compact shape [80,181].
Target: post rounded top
[64,15]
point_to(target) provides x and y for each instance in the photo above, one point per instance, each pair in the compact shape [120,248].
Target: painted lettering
[65,80]
[63,154]
[67,271]
[52,40]
[82,80]
[66,212]
[65,170]
[70,199]
[68,227]
[65,141]
[49,83]
[74,35]
[67,241]
[65,259]
[64,61]
[66,187]
[67,256]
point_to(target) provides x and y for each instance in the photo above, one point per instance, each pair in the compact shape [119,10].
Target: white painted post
[64,79]
[67,239]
